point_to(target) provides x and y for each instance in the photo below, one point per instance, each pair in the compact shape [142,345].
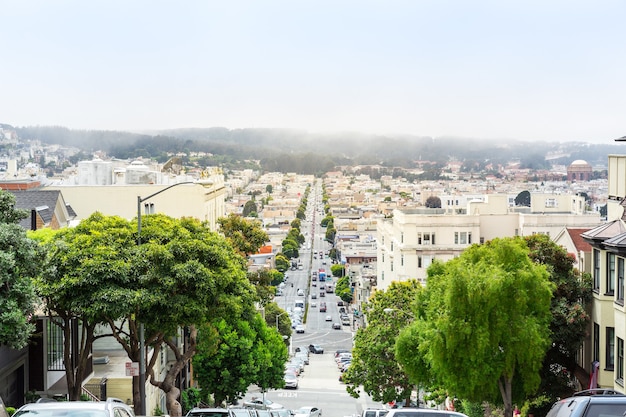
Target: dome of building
[579,170]
[579,162]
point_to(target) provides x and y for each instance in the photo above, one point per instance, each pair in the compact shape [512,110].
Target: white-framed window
[551,203]
[462,238]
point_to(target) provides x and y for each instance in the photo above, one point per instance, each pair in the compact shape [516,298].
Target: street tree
[245,235]
[19,265]
[496,300]
[183,275]
[374,365]
[337,270]
[570,320]
[282,262]
[82,269]
[235,353]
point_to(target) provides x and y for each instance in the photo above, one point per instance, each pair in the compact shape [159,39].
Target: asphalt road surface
[319,385]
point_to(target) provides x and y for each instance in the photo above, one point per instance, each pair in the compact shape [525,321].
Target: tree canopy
[19,264]
[246,236]
[181,276]
[374,365]
[495,299]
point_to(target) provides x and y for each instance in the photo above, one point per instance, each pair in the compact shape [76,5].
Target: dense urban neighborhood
[199,279]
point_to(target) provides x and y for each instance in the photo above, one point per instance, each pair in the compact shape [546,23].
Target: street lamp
[142,350]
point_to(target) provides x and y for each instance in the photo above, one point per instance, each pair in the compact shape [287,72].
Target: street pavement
[319,386]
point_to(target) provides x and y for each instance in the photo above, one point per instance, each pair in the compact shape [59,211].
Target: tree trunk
[172,393]
[505,385]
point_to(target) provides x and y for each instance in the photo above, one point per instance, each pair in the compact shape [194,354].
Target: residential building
[411,239]
[608,316]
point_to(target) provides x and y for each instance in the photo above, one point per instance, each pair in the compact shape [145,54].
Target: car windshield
[207,413]
[303,410]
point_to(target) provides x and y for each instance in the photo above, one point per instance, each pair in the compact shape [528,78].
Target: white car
[299,328]
[307,412]
[329,318]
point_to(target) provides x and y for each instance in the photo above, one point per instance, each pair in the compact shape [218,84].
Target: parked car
[112,407]
[318,349]
[307,412]
[422,412]
[374,412]
[304,356]
[240,412]
[257,402]
[291,381]
[280,412]
[300,328]
[590,403]
[208,412]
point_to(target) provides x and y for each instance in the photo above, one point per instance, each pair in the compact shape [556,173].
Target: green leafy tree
[235,353]
[282,262]
[249,208]
[269,189]
[496,300]
[374,365]
[272,311]
[185,275]
[81,269]
[262,281]
[224,364]
[19,265]
[433,202]
[342,289]
[523,199]
[337,270]
[182,275]
[296,224]
[326,220]
[570,320]
[246,236]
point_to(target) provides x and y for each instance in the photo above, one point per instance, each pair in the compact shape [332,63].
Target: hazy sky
[529,69]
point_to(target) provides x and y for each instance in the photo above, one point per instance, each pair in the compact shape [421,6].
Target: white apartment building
[608,259]
[411,239]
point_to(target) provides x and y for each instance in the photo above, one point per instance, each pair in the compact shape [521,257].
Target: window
[551,202]
[402,237]
[596,270]
[419,261]
[55,346]
[419,238]
[620,361]
[392,245]
[383,257]
[462,238]
[401,260]
[610,348]
[596,342]
[610,274]
[620,280]
[391,266]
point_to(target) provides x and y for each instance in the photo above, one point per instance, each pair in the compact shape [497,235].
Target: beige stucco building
[411,239]
[204,201]
[608,270]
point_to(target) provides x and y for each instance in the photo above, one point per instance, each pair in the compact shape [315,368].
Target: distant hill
[296,147]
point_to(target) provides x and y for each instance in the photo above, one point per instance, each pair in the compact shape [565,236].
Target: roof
[581,244]
[604,231]
[44,202]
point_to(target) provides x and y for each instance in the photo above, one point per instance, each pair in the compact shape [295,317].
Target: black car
[316,349]
[590,403]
